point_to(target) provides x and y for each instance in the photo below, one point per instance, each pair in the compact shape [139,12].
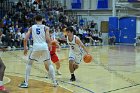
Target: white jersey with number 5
[39,37]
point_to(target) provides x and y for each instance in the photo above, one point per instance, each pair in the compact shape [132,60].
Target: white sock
[27,73]
[1,83]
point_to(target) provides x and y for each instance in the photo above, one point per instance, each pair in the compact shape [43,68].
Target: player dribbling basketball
[75,54]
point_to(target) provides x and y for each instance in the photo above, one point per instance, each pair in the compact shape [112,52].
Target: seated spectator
[86,37]
[1,37]
[80,32]
[112,38]
[96,37]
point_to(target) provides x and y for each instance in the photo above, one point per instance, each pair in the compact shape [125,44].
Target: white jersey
[39,37]
[74,48]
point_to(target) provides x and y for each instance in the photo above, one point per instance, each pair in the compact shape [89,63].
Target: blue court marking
[77,86]
[121,88]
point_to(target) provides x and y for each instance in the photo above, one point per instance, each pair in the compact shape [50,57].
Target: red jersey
[53,50]
[54,57]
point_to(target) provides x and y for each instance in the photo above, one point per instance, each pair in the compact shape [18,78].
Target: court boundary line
[121,88]
[8,80]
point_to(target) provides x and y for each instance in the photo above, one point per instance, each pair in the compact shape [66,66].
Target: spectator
[112,38]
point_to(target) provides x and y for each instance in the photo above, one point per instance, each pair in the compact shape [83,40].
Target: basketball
[87,58]
[54,43]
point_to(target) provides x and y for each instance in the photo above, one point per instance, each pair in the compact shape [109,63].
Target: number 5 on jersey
[38,31]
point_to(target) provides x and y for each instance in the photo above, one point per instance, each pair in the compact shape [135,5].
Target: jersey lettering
[72,47]
[38,31]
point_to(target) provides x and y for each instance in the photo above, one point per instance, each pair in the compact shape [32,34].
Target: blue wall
[127,27]
[113,26]
[133,1]
[123,28]
[76,4]
[102,4]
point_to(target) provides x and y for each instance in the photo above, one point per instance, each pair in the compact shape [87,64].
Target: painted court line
[121,88]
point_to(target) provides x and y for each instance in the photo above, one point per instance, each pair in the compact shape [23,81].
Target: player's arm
[58,46]
[48,39]
[79,42]
[26,40]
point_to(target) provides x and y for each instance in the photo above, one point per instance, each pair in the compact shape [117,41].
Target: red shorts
[54,58]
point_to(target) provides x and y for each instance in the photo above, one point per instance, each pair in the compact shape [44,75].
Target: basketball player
[2,69]
[54,57]
[40,52]
[75,53]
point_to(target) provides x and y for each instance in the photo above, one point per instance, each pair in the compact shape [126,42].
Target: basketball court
[115,69]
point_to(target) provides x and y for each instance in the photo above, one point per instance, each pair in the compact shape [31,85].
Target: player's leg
[75,66]
[33,56]
[46,67]
[78,60]
[58,68]
[27,74]
[2,69]
[71,65]
[51,71]
[71,68]
[74,62]
[48,63]
[55,60]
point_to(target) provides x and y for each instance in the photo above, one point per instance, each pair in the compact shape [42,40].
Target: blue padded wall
[133,1]
[123,28]
[127,27]
[113,26]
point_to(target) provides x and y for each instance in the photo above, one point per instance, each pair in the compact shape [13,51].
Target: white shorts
[40,46]
[76,57]
[40,56]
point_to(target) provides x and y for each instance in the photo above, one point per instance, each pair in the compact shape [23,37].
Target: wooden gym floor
[115,69]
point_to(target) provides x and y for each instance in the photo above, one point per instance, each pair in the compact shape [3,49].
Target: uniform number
[72,47]
[38,31]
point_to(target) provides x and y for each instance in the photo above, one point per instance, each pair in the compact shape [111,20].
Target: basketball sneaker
[73,77]
[58,72]
[23,85]
[55,83]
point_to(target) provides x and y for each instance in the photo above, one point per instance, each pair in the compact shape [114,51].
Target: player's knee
[76,66]
[71,61]
[48,63]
